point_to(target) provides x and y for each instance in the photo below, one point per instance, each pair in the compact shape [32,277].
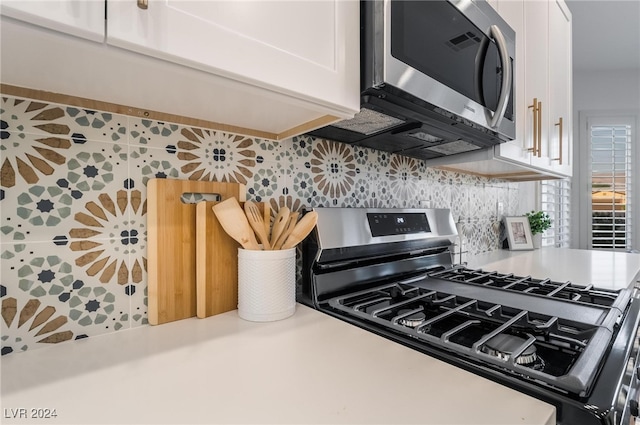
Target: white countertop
[309,368]
[603,269]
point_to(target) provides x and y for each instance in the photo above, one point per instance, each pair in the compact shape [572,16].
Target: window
[555,197]
[611,187]
[608,183]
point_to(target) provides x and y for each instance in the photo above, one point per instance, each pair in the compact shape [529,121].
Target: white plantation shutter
[555,196]
[611,186]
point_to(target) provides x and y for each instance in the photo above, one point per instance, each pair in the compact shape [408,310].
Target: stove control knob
[633,408]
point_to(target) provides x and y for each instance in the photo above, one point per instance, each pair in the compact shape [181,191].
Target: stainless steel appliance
[390,271]
[436,79]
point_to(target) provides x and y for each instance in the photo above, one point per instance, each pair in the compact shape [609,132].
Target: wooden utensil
[254,216]
[266,213]
[302,229]
[279,224]
[291,223]
[171,245]
[216,263]
[234,222]
[293,218]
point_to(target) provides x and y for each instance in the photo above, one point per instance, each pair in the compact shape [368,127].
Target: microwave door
[505,76]
[479,75]
[493,77]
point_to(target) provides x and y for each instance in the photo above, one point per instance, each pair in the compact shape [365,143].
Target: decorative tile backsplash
[73,210]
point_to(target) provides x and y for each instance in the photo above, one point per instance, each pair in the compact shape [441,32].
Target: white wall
[601,90]
[617,90]
[527,197]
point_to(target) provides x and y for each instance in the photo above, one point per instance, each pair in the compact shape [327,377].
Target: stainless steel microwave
[436,79]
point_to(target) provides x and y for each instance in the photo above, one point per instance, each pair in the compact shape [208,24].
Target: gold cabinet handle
[143,4]
[539,129]
[534,149]
[559,125]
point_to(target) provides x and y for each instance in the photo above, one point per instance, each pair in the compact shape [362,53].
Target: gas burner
[412,320]
[503,345]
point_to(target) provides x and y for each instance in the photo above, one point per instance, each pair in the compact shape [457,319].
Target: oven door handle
[507,76]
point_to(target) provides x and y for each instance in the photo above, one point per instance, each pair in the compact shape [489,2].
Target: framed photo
[518,233]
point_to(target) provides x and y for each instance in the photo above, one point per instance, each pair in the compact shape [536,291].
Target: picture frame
[518,233]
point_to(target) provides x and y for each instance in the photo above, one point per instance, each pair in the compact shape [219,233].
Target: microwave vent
[426,137]
[368,121]
[451,148]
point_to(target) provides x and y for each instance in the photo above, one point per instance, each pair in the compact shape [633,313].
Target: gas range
[390,271]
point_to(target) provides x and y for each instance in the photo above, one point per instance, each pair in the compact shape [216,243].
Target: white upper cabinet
[536,72]
[306,49]
[269,68]
[493,3]
[560,88]
[513,13]
[81,18]
[543,85]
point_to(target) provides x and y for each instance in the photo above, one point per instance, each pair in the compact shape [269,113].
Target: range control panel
[387,224]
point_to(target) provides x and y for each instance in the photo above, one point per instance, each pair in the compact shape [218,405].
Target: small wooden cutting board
[171,242]
[217,262]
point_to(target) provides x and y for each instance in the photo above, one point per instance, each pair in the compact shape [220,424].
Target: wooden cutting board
[171,245]
[217,262]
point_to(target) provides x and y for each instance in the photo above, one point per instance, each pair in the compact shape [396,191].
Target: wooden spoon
[279,224]
[234,222]
[257,223]
[302,229]
[291,224]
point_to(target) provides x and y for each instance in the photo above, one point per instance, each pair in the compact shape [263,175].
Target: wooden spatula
[234,222]
[291,224]
[257,223]
[279,224]
[302,229]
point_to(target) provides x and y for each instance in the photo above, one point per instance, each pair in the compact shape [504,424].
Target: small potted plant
[539,221]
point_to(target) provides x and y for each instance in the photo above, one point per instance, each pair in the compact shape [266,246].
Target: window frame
[581,185]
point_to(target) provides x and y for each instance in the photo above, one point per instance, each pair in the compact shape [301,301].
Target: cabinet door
[560,92]
[536,34]
[517,150]
[494,3]
[308,50]
[76,17]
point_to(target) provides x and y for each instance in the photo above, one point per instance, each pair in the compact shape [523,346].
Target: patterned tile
[514,202]
[299,149]
[154,134]
[301,186]
[268,181]
[216,156]
[24,116]
[440,195]
[334,172]
[366,159]
[73,197]
[403,176]
[150,163]
[363,188]
[46,298]
[424,193]
[460,202]
[120,258]
[85,185]
[270,151]
[489,203]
